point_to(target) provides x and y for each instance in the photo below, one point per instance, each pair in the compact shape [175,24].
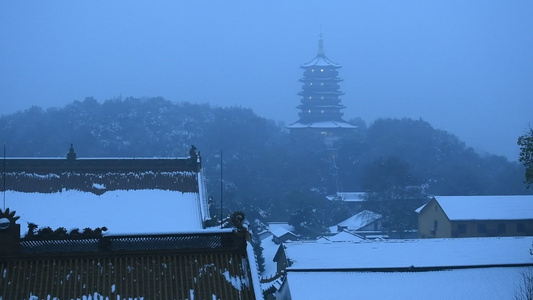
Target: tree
[393,192]
[526,154]
[308,213]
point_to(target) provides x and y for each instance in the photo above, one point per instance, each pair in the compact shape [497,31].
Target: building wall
[484,228]
[432,215]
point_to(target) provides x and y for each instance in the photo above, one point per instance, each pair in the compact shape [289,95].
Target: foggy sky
[464,66]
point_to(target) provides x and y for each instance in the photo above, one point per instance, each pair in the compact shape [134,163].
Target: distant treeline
[267,173]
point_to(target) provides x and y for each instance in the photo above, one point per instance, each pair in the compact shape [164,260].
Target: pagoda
[320,105]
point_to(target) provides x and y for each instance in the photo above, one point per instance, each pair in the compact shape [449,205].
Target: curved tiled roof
[199,266]
[320,61]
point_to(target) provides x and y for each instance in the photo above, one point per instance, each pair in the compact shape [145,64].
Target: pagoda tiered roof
[320,103]
[306,79]
[320,61]
[322,125]
[339,93]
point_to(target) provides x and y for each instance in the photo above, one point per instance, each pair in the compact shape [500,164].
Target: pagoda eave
[320,61]
[320,79]
[306,93]
[321,106]
[322,125]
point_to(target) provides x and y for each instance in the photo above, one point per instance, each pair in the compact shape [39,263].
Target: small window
[502,228]
[461,228]
[435,224]
[481,228]
[520,227]
[436,207]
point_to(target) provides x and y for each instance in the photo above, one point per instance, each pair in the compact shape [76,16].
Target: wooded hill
[267,173]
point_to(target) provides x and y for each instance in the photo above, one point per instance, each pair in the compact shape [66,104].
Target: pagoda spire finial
[320,44]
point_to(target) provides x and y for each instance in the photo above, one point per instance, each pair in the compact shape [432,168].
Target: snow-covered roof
[479,283]
[486,207]
[343,236]
[269,251]
[360,220]
[322,124]
[121,211]
[273,225]
[280,231]
[348,196]
[424,253]
[254,272]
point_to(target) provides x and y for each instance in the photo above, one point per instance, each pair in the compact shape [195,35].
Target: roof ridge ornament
[238,220]
[7,218]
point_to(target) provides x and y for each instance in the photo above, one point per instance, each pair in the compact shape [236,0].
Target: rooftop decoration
[7,219]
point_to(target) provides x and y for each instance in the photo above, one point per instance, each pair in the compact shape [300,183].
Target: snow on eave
[418,210]
[202,197]
[256,284]
[322,125]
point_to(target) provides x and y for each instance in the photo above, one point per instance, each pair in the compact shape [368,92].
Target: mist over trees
[267,173]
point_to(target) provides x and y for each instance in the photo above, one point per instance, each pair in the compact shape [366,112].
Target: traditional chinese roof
[98,175]
[320,60]
[121,211]
[119,193]
[210,265]
[322,125]
[158,208]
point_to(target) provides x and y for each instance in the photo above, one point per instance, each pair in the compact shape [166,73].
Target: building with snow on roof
[364,222]
[107,191]
[469,268]
[320,105]
[279,232]
[473,216]
[354,200]
[118,228]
